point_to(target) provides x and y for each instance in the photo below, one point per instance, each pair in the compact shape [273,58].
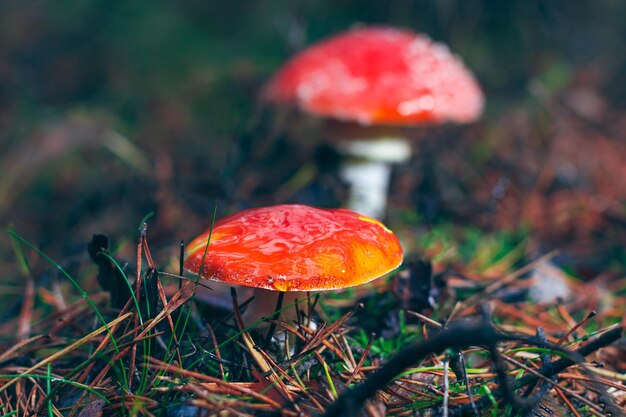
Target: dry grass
[84,358]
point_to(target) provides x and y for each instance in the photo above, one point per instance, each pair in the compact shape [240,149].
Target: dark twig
[456,335]
[460,336]
[545,359]
[516,402]
[554,368]
[550,369]
[457,363]
[272,329]
[456,360]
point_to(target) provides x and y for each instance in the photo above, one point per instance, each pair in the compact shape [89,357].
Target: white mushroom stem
[264,305]
[367,170]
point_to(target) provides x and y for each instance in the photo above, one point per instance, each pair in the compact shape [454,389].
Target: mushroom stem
[369,184]
[264,305]
[367,170]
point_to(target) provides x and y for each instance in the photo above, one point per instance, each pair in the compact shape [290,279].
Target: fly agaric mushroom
[291,249]
[368,82]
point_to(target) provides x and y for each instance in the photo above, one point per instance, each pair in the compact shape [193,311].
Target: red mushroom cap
[379,75]
[295,248]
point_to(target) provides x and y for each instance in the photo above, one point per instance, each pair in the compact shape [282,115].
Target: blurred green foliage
[133,57]
[181,79]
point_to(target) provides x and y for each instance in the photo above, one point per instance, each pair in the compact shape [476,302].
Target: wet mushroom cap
[295,248]
[379,75]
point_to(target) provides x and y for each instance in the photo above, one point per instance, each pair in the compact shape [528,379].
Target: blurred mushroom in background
[369,83]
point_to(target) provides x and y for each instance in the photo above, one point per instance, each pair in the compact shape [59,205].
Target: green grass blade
[49,388]
[21,240]
[110,257]
[51,379]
